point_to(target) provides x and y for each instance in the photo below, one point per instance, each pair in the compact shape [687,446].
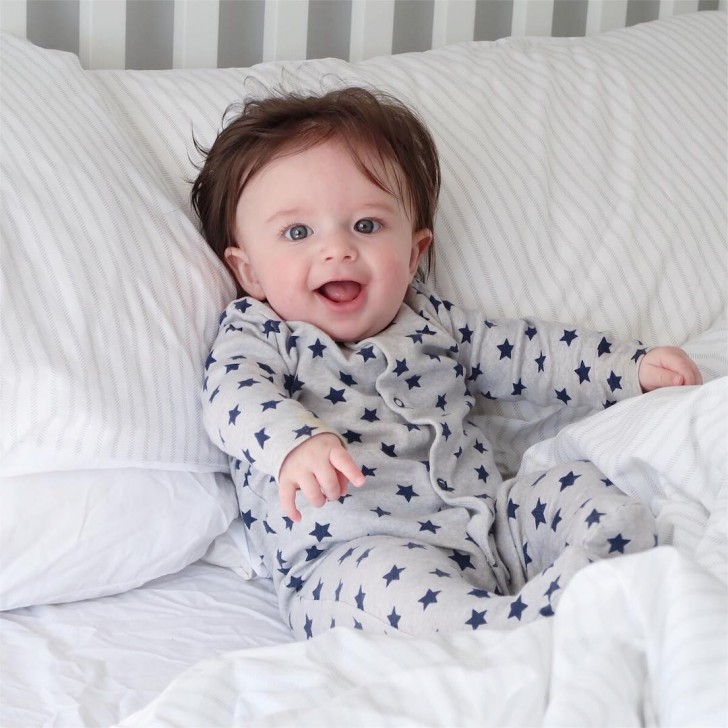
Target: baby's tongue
[341,291]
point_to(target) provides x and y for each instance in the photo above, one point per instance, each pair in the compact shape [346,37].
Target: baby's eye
[297,232]
[367,226]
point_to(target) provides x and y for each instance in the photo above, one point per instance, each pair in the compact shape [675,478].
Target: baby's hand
[667,366]
[320,468]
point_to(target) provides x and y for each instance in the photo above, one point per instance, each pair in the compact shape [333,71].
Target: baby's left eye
[367,226]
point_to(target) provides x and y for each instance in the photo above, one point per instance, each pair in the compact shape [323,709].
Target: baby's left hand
[667,366]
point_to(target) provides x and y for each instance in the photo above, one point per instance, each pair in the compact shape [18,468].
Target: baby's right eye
[297,232]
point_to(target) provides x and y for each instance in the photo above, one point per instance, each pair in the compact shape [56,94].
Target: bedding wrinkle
[582,133]
[581,211]
[659,647]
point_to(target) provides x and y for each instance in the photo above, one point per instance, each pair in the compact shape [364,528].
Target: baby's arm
[321,467]
[667,366]
[548,363]
[248,403]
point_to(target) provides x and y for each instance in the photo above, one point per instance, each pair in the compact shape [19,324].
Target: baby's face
[321,243]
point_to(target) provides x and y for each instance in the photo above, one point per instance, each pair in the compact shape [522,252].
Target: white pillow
[109,301]
[110,297]
[583,178]
[85,534]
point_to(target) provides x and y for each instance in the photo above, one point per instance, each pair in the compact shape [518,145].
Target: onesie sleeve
[249,404]
[543,362]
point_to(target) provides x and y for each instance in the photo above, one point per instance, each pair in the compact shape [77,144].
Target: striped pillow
[109,301]
[584,178]
[110,297]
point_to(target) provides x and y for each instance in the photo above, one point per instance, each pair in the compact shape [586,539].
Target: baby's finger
[343,484]
[654,376]
[681,364]
[666,377]
[328,481]
[311,490]
[345,464]
[692,374]
[287,496]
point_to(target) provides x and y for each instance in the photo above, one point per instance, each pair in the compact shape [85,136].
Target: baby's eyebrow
[387,206]
[285,214]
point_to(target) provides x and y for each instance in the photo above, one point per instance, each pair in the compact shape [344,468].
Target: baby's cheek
[284,299]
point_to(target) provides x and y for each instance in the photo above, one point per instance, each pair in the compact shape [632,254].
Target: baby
[339,367]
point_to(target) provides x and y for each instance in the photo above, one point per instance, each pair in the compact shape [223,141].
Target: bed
[584,180]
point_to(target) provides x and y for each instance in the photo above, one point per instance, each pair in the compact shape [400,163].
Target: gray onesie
[435,540]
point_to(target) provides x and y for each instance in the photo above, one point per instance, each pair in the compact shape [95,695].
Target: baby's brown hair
[379,131]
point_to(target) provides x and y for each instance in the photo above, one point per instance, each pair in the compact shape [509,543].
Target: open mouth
[340,291]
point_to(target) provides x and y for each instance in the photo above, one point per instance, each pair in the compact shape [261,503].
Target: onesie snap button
[398,402]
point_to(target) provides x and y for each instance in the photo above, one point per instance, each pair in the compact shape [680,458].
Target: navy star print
[393,574]
[320,532]
[582,372]
[335,395]
[506,349]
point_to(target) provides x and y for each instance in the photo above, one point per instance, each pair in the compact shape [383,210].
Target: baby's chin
[349,332]
[349,335]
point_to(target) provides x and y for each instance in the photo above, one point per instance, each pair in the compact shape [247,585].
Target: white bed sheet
[91,663]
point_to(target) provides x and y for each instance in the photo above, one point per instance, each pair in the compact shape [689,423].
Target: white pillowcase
[110,297]
[85,534]
[582,179]
[109,301]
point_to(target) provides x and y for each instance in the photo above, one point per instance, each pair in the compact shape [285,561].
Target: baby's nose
[340,247]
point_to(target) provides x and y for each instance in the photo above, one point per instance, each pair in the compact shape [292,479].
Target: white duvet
[637,640]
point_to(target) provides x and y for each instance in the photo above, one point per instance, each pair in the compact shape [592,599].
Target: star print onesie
[435,540]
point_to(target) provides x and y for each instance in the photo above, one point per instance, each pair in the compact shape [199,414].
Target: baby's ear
[239,263]
[421,240]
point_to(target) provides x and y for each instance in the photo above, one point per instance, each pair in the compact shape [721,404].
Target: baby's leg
[388,585]
[569,513]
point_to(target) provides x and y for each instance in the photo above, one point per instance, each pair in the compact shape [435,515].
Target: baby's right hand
[321,467]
